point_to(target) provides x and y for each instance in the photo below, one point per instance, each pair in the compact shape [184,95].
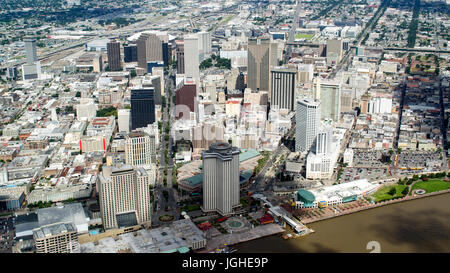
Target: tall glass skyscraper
[142,107]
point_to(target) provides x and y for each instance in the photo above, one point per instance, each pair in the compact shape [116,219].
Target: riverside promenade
[236,238]
[371,206]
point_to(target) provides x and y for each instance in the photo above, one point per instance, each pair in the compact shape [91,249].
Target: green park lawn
[189,208]
[431,185]
[304,36]
[383,193]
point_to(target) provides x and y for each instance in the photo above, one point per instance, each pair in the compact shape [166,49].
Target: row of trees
[414,24]
[218,62]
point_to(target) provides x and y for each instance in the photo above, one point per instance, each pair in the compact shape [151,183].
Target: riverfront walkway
[370,206]
[236,238]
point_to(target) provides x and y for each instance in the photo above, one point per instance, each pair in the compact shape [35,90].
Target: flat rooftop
[52,230]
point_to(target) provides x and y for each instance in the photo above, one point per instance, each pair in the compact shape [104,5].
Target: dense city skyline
[202,126]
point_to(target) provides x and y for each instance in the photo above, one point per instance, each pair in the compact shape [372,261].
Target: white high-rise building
[191,57]
[159,71]
[31,71]
[56,238]
[140,149]
[124,196]
[321,162]
[324,140]
[124,120]
[204,44]
[30,50]
[221,178]
[32,68]
[380,105]
[307,124]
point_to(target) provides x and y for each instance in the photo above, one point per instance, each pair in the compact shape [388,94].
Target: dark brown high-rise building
[262,55]
[142,52]
[114,63]
[180,56]
[185,98]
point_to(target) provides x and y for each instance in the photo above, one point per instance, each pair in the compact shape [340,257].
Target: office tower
[32,68]
[124,196]
[154,48]
[231,79]
[334,51]
[204,42]
[240,82]
[124,120]
[323,141]
[114,63]
[89,62]
[185,98]
[282,93]
[142,107]
[191,58]
[130,53]
[211,89]
[31,71]
[329,94]
[307,119]
[220,178]
[347,100]
[180,56]
[155,82]
[149,48]
[305,73]
[56,238]
[12,72]
[262,55]
[165,53]
[159,71]
[320,163]
[140,149]
[30,50]
[380,105]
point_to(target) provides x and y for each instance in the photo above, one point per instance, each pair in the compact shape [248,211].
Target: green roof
[248,154]
[305,196]
[183,249]
[194,180]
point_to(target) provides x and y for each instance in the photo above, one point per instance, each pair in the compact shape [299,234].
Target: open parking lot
[430,160]
[371,174]
[368,159]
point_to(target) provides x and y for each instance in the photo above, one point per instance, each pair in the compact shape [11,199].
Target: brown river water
[417,226]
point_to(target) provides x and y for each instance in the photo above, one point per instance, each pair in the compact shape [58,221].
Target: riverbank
[419,226]
[236,238]
[372,206]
